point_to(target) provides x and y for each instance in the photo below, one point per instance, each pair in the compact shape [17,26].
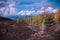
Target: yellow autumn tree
[18,20]
[57,15]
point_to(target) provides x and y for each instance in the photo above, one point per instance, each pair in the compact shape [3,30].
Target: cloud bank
[10,8]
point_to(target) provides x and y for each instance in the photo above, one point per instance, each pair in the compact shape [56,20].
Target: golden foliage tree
[18,20]
[57,15]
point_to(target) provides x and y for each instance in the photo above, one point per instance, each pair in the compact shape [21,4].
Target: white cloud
[46,10]
[55,10]
[40,11]
[10,10]
[49,9]
[27,12]
[2,10]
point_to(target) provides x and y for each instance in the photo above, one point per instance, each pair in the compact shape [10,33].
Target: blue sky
[38,3]
[27,7]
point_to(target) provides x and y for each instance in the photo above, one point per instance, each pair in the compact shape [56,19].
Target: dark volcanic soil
[10,30]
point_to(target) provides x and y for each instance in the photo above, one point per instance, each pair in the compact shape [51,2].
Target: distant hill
[5,19]
[16,17]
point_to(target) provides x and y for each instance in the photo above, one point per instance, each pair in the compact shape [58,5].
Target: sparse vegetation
[29,28]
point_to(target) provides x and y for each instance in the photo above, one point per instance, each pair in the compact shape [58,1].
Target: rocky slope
[11,30]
